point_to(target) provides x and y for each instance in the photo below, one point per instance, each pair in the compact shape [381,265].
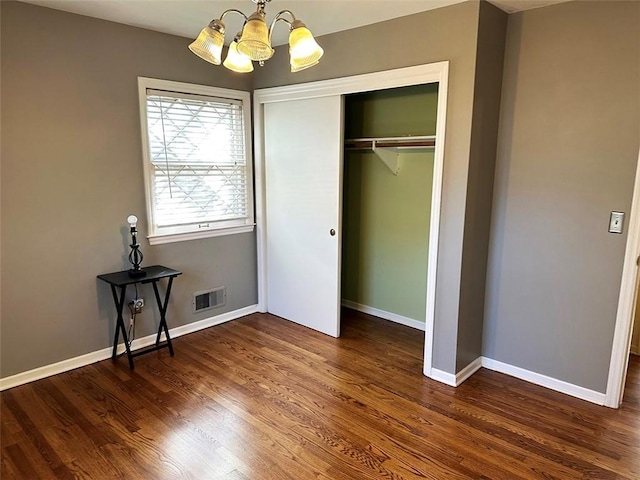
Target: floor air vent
[209,299]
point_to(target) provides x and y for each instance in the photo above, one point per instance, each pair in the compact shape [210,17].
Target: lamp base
[133,273]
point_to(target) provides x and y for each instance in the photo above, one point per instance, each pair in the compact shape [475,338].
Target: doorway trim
[422,74]
[626,302]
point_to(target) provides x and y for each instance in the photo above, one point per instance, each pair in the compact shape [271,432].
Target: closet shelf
[388,148]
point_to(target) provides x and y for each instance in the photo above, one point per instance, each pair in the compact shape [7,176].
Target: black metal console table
[121,280]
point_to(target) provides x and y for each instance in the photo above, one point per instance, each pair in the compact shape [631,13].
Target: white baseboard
[443,377]
[469,370]
[105,353]
[54,369]
[517,372]
[545,381]
[393,317]
[457,379]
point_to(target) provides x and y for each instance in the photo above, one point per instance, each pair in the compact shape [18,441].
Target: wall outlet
[136,305]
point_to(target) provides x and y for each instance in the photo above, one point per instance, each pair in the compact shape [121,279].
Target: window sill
[183,237]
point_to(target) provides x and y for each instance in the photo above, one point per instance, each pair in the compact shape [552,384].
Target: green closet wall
[386,217]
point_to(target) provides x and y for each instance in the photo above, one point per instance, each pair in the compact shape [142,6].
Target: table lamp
[135,256]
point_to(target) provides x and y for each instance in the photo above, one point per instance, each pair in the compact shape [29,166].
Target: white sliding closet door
[303,145]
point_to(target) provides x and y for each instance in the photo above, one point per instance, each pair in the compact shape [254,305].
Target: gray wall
[492,28]
[445,34]
[72,172]
[567,155]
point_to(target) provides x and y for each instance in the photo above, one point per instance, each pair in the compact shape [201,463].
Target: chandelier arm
[279,17]
[233,10]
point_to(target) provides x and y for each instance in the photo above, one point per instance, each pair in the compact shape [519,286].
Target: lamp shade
[304,51]
[237,61]
[208,45]
[254,42]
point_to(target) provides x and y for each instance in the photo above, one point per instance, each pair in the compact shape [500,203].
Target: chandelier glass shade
[237,61]
[304,51]
[208,45]
[255,41]
[253,44]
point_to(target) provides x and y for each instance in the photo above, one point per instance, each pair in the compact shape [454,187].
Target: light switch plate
[616,221]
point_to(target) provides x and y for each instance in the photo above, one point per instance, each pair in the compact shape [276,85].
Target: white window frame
[223,228]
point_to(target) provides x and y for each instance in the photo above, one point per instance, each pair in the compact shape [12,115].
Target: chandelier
[253,43]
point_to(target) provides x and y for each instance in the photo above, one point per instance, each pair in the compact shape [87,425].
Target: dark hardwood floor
[262,398]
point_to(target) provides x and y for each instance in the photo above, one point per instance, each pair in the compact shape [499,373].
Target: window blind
[198,155]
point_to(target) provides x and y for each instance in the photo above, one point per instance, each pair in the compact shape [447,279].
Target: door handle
[332,232]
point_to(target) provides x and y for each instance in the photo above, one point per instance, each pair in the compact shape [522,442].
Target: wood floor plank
[261,398]
[34,431]
[319,400]
[486,467]
[259,413]
[225,395]
[378,416]
[323,395]
[20,465]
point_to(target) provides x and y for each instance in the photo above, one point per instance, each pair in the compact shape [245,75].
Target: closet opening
[299,172]
[388,181]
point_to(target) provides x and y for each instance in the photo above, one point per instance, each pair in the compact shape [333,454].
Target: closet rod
[390,142]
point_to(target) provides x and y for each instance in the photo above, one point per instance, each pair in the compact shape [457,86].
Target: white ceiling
[187,17]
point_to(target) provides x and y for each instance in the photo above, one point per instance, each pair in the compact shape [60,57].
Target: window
[196,144]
